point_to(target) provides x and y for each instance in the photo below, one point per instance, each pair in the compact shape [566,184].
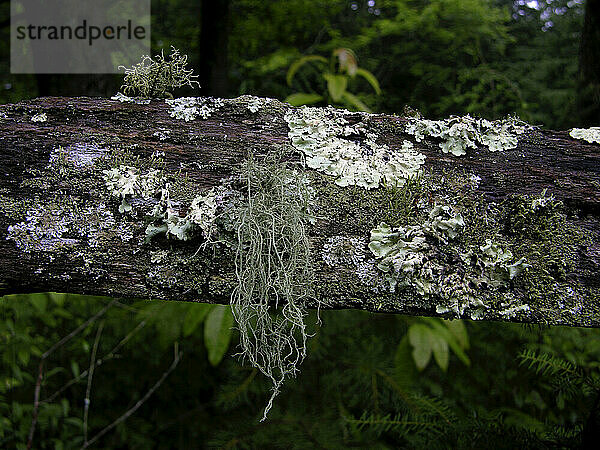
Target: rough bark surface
[61,230]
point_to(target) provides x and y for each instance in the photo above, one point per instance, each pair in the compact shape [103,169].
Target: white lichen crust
[125,99]
[591,135]
[352,252]
[350,153]
[460,133]
[189,108]
[41,117]
[80,155]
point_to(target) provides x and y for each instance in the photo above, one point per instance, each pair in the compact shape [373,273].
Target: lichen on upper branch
[350,153]
[591,135]
[460,133]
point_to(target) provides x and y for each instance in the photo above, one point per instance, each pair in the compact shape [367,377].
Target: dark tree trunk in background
[589,67]
[214,34]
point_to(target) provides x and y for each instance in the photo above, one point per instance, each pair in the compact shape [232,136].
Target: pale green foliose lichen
[130,185]
[350,153]
[496,264]
[400,253]
[591,135]
[201,215]
[460,133]
[444,222]
[417,256]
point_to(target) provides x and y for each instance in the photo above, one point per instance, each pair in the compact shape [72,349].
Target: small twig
[110,355]
[78,330]
[88,390]
[36,404]
[140,402]
[38,384]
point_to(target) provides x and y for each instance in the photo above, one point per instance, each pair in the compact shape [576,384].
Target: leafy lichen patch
[423,258]
[254,104]
[460,254]
[127,182]
[202,215]
[460,133]
[349,152]
[591,135]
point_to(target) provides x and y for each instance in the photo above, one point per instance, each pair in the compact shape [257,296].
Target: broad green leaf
[353,101]
[440,350]
[458,330]
[217,333]
[419,337]
[336,85]
[194,317]
[440,327]
[301,98]
[40,301]
[370,79]
[299,63]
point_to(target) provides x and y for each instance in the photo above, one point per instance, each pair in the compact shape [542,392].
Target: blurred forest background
[162,375]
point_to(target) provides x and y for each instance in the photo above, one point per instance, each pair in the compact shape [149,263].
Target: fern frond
[399,424]
[549,365]
[430,406]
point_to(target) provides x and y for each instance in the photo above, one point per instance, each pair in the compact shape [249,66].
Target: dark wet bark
[206,151]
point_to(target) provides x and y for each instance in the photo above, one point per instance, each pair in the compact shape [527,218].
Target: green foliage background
[358,387]
[369,380]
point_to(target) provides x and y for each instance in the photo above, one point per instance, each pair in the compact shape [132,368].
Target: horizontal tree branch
[506,235]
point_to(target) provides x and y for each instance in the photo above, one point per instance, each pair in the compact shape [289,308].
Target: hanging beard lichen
[273,270]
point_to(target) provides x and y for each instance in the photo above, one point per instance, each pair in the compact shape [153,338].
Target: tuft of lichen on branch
[273,269]
[156,77]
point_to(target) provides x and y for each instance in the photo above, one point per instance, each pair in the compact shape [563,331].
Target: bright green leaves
[436,337]
[174,320]
[194,317]
[302,98]
[370,78]
[300,62]
[218,322]
[217,333]
[336,72]
[336,85]
[421,338]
